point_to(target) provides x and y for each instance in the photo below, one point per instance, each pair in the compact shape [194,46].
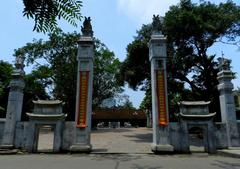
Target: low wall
[221,135]
[176,134]
[175,137]
[69,128]
[22,133]
[2,123]
[239,127]
[68,135]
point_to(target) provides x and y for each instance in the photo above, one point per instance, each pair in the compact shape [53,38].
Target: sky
[114,22]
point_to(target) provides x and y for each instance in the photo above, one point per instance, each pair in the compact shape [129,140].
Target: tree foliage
[46,12]
[59,55]
[106,68]
[136,67]
[5,77]
[191,29]
[34,89]
[35,84]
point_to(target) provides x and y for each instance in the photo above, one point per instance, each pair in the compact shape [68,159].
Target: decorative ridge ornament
[224,64]
[87,27]
[156,25]
[19,62]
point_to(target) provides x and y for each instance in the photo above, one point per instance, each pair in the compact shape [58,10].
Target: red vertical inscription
[83,96]
[161,98]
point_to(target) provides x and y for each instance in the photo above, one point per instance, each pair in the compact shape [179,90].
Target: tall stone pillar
[228,112]
[158,56]
[84,90]
[15,101]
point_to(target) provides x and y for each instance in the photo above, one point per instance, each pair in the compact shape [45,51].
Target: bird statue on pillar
[156,25]
[87,27]
[19,62]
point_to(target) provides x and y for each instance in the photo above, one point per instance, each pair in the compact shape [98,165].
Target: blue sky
[114,22]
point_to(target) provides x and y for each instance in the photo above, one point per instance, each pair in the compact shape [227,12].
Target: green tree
[191,29]
[46,12]
[106,68]
[135,69]
[34,88]
[35,84]
[59,54]
[5,77]
[123,102]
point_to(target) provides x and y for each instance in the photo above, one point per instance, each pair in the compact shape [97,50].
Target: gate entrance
[45,139]
[196,139]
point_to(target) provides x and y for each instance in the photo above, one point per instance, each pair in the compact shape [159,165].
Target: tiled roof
[118,114]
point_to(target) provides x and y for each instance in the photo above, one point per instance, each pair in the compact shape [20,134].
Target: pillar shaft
[158,55]
[227,105]
[84,94]
[14,108]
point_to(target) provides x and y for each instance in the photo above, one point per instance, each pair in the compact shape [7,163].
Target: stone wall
[20,140]
[239,127]
[2,123]
[176,135]
[68,135]
[221,135]
[21,135]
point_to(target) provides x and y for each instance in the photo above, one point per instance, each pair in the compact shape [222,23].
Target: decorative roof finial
[156,25]
[87,27]
[222,54]
[224,64]
[19,62]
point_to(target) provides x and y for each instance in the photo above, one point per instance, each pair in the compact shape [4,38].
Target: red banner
[161,98]
[83,96]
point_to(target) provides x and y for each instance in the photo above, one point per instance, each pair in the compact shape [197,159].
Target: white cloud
[141,11]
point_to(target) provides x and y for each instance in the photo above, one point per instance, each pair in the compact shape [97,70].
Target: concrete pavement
[119,149]
[231,152]
[124,140]
[117,161]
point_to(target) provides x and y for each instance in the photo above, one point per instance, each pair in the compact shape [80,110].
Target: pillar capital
[157,47]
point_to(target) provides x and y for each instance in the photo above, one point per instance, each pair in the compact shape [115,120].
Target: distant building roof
[105,114]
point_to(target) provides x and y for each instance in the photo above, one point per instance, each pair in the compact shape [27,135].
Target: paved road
[122,140]
[105,140]
[134,142]
[117,161]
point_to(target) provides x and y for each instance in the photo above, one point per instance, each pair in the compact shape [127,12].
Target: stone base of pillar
[233,134]
[6,146]
[80,148]
[166,148]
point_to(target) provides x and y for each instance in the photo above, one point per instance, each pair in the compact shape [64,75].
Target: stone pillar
[228,112]
[157,56]
[15,101]
[149,118]
[84,90]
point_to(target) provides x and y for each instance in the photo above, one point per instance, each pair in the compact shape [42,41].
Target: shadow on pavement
[141,138]
[118,157]
[105,130]
[137,166]
[226,165]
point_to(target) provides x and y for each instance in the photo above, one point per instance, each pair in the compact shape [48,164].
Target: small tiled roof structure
[118,114]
